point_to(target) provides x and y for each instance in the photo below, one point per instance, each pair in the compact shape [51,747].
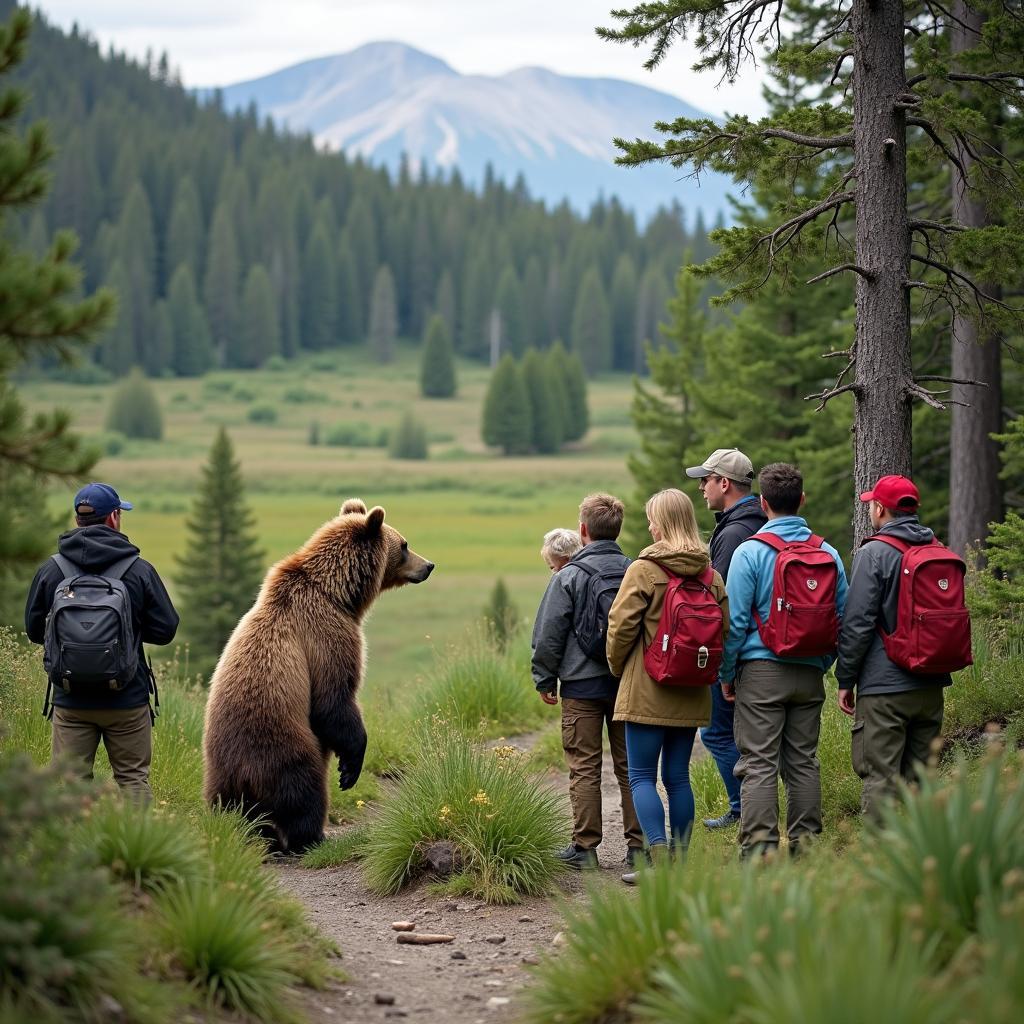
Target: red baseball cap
[896,493]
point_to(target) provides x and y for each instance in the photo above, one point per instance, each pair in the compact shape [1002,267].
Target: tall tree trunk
[975,490]
[882,421]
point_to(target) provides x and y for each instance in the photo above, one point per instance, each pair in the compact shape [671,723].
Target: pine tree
[319,299]
[568,368]
[219,575]
[624,288]
[258,336]
[193,350]
[350,318]
[437,366]
[409,440]
[591,325]
[444,302]
[534,330]
[160,350]
[508,301]
[506,413]
[545,420]
[117,346]
[185,233]
[38,316]
[136,249]
[383,330]
[501,617]
[221,282]
[134,410]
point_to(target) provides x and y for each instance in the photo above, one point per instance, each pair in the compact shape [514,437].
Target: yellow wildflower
[481,798]
[360,804]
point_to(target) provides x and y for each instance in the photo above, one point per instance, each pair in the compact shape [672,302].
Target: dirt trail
[477,978]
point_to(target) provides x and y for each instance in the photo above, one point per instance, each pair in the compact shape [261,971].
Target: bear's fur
[283,695]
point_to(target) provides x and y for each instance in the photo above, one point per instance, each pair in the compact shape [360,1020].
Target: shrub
[262,414]
[276,364]
[478,685]
[66,944]
[217,937]
[547,752]
[303,396]
[313,437]
[143,847]
[409,441]
[503,828]
[134,410]
[112,443]
[938,851]
[355,435]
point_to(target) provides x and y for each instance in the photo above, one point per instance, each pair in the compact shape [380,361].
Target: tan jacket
[634,618]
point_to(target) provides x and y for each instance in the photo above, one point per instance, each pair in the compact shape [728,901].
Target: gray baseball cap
[727,462]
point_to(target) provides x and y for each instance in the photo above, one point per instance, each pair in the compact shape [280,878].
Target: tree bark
[882,420]
[975,490]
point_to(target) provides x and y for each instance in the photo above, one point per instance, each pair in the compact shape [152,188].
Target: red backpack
[802,620]
[687,646]
[933,625]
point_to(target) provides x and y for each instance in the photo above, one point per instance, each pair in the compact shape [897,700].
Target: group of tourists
[734,638]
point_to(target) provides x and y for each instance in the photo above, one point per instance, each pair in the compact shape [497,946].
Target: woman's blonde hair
[560,542]
[671,511]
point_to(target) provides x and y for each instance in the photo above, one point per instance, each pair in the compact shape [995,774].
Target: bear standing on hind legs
[283,695]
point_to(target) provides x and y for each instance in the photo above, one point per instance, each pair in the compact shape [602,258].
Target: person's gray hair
[561,542]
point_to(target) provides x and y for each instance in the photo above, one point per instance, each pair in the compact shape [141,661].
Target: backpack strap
[120,567]
[773,540]
[664,568]
[900,545]
[66,566]
[707,577]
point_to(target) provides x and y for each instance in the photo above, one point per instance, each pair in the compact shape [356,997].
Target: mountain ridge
[384,100]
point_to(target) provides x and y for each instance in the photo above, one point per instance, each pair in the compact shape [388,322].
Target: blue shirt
[750,584]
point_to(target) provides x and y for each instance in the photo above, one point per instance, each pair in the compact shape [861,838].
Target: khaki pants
[127,735]
[892,738]
[583,723]
[778,720]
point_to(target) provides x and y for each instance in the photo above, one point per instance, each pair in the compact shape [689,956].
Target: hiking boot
[727,820]
[578,859]
[656,855]
[635,856]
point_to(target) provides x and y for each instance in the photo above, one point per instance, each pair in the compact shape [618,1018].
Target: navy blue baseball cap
[101,498]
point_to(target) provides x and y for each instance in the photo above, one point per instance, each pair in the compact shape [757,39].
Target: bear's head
[356,555]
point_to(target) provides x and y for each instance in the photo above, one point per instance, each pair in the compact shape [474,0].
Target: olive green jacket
[632,623]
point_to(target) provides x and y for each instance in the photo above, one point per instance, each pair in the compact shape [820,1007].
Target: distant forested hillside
[229,243]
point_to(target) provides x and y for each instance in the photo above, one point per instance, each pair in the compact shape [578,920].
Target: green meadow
[476,514]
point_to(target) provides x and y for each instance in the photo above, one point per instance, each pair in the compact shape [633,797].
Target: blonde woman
[661,721]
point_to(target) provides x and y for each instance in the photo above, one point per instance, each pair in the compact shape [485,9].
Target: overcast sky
[217,42]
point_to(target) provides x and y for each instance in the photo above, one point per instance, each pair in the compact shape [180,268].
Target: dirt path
[477,978]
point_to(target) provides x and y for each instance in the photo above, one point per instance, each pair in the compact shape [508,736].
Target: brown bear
[283,695]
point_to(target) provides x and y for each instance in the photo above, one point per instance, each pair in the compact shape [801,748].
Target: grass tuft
[484,802]
[336,850]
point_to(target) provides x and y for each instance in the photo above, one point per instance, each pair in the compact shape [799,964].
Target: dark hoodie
[154,619]
[732,528]
[872,601]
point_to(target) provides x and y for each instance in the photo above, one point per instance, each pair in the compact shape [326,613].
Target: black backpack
[89,644]
[590,619]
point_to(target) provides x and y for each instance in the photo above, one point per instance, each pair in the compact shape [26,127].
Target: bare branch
[952,274]
[925,396]
[839,64]
[866,274]
[824,397]
[952,380]
[934,225]
[838,352]
[929,130]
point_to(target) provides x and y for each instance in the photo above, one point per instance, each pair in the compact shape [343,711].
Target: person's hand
[847,702]
[729,692]
[548,698]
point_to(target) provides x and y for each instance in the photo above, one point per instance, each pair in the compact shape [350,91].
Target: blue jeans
[719,739]
[644,744]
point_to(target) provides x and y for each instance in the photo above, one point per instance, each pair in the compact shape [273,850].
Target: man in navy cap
[83,716]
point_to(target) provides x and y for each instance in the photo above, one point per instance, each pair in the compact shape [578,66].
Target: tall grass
[920,921]
[480,685]
[485,803]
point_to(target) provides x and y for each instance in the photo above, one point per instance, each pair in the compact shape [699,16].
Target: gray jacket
[872,601]
[556,652]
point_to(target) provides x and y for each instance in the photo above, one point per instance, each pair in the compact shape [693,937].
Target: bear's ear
[374,520]
[352,505]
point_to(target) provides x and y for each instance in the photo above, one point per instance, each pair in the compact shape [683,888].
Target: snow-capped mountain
[385,99]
